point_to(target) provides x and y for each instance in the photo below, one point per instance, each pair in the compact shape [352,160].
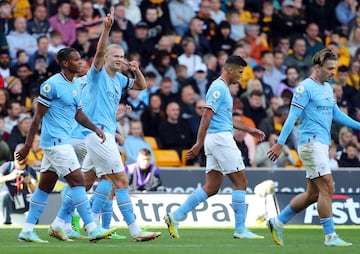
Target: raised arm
[103,41]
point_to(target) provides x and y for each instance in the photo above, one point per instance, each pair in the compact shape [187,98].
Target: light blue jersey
[63,101]
[317,102]
[314,105]
[105,93]
[80,131]
[219,99]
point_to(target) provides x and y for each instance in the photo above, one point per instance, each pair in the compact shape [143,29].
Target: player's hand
[100,134]
[109,19]
[259,134]
[133,65]
[22,153]
[275,152]
[193,152]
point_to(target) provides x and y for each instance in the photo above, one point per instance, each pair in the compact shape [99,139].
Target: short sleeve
[47,93]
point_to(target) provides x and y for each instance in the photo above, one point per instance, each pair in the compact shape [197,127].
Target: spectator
[257,41]
[349,92]
[244,142]
[13,114]
[122,23]
[143,174]
[144,95]
[132,11]
[5,64]
[55,43]
[20,39]
[290,81]
[136,104]
[30,81]
[345,11]
[21,58]
[272,75]
[181,79]
[354,40]
[122,120]
[287,22]
[254,85]
[134,142]
[312,39]
[15,89]
[84,44]
[322,13]
[42,50]
[5,153]
[222,39]
[299,58]
[261,159]
[209,25]
[253,107]
[266,88]
[117,37]
[189,58]
[156,25]
[279,61]
[180,15]
[4,100]
[354,74]
[216,13]
[63,22]
[20,181]
[162,67]
[334,164]
[152,116]
[274,123]
[283,45]
[201,83]
[174,132]
[265,22]
[19,132]
[165,92]
[187,102]
[6,18]
[237,28]
[89,20]
[36,153]
[100,8]
[345,137]
[201,43]
[141,43]
[39,25]
[349,158]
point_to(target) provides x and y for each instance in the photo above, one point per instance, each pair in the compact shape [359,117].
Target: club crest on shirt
[74,93]
[300,89]
[47,88]
[216,96]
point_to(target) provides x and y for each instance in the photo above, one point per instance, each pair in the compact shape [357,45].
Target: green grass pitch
[298,239]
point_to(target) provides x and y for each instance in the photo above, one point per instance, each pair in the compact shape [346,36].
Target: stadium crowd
[181,47]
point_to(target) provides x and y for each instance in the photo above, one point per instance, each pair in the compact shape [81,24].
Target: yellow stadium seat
[183,157]
[167,158]
[152,142]
[298,162]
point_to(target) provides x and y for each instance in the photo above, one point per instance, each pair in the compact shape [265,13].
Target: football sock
[193,200]
[124,203]
[107,213]
[37,205]
[328,225]
[82,205]
[239,207]
[99,198]
[286,215]
[65,211]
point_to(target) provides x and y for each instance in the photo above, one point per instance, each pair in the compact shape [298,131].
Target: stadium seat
[166,158]
[152,142]
[298,162]
[183,157]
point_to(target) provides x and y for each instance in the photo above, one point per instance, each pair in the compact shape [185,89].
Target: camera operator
[20,180]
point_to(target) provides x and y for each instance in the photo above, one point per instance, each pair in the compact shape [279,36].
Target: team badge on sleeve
[47,88]
[300,89]
[215,96]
